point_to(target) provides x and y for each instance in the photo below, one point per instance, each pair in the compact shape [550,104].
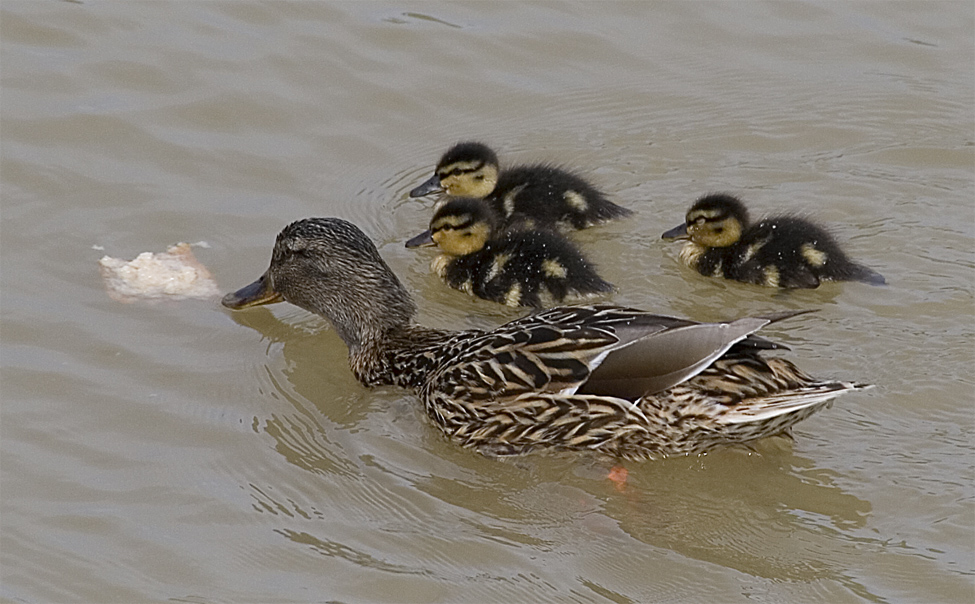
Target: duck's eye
[295,248]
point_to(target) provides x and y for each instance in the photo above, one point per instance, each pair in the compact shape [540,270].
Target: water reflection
[733,509]
[338,550]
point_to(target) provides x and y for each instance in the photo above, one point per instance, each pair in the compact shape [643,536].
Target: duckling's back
[521,265]
[792,252]
[550,195]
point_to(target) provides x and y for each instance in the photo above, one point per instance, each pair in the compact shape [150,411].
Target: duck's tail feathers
[806,400]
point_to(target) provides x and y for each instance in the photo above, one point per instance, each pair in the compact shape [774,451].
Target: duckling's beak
[430,186]
[424,239]
[255,294]
[678,232]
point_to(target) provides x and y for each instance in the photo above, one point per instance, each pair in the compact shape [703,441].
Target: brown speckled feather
[618,381]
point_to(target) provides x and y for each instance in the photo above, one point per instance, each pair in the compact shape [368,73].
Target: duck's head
[459,227]
[715,220]
[331,268]
[466,170]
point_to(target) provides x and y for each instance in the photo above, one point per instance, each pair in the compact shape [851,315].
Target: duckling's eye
[718,230]
[479,177]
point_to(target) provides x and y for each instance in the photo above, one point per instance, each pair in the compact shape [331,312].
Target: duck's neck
[373,314]
[402,357]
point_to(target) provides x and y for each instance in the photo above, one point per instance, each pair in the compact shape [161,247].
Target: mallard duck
[514,266]
[544,194]
[780,251]
[616,381]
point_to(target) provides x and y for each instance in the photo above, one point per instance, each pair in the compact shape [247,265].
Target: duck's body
[616,381]
[544,194]
[781,251]
[516,266]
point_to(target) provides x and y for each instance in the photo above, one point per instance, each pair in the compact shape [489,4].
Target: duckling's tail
[604,210]
[866,275]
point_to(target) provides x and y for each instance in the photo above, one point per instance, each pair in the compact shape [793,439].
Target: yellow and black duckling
[616,381]
[514,267]
[780,251]
[543,194]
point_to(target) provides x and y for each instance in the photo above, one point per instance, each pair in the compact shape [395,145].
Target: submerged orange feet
[618,475]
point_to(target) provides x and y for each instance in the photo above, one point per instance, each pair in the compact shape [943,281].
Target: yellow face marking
[553,269]
[813,256]
[463,241]
[513,297]
[714,234]
[450,220]
[497,266]
[706,214]
[477,183]
[460,166]
[576,200]
[771,276]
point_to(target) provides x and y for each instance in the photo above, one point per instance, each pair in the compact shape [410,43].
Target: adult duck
[617,381]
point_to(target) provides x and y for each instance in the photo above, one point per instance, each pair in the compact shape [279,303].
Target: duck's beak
[256,294]
[432,185]
[678,232]
[424,239]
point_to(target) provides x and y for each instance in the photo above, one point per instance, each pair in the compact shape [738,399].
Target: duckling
[618,382]
[779,251]
[543,193]
[513,266]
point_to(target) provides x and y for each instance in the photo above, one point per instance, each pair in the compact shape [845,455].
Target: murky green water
[178,452]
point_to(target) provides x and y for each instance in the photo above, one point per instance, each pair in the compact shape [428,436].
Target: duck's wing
[649,363]
[521,359]
[661,360]
[551,351]
[602,350]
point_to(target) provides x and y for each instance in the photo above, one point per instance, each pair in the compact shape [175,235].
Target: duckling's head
[462,226]
[715,220]
[331,268]
[467,169]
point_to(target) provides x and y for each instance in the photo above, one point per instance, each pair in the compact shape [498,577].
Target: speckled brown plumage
[617,381]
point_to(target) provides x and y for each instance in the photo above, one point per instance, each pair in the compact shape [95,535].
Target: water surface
[179,452]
